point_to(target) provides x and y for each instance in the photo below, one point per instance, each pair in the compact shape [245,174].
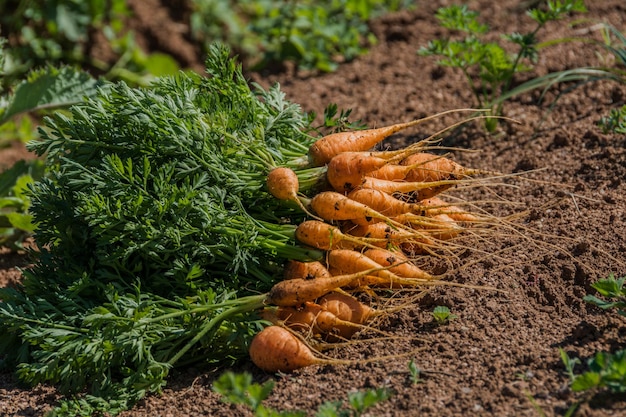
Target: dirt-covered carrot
[325,148]
[321,235]
[428,168]
[398,262]
[276,349]
[304,270]
[393,236]
[346,170]
[382,202]
[331,206]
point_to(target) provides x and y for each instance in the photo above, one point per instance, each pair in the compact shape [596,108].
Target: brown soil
[500,357]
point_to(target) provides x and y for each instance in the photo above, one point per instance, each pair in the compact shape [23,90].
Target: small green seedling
[615,122]
[605,370]
[612,288]
[442,315]
[415,372]
[239,389]
[487,66]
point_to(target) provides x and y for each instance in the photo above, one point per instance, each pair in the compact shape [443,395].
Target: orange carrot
[276,349]
[324,236]
[332,206]
[402,266]
[346,307]
[439,226]
[392,235]
[351,262]
[283,184]
[427,167]
[435,205]
[380,201]
[417,190]
[311,317]
[294,292]
[346,170]
[325,148]
[304,270]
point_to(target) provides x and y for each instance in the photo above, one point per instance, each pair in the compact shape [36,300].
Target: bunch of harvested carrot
[378,211]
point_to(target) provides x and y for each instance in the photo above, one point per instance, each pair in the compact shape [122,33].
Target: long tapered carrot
[382,202]
[294,292]
[417,190]
[427,167]
[321,235]
[325,148]
[398,262]
[331,206]
[439,226]
[349,261]
[434,205]
[393,236]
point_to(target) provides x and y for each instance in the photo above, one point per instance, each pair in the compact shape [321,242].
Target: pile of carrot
[377,213]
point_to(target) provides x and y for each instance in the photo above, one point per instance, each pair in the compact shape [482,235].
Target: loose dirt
[500,356]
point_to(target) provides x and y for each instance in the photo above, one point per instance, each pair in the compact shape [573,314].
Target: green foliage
[615,121]
[239,389]
[56,31]
[487,66]
[157,236]
[604,370]
[311,33]
[414,372]
[48,88]
[442,315]
[612,288]
[42,90]
[16,223]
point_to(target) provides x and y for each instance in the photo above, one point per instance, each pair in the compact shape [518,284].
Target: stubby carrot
[283,183]
[304,270]
[346,170]
[348,308]
[276,349]
[312,317]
